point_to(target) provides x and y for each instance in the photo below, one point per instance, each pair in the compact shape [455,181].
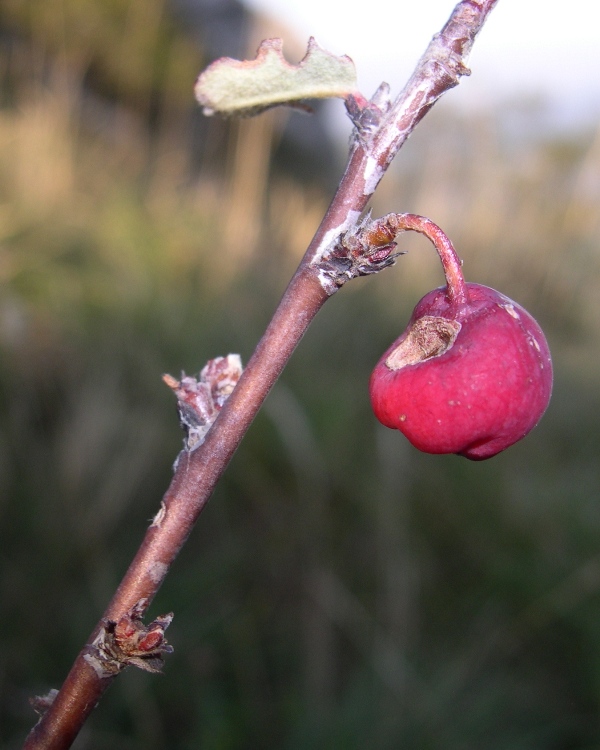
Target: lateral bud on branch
[365,249]
[41,703]
[367,115]
[128,642]
[200,400]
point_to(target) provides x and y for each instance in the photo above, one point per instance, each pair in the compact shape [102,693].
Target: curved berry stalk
[472,372]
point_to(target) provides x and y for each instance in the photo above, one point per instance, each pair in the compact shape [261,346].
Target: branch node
[128,642]
[200,400]
[41,703]
[162,512]
[366,115]
[363,250]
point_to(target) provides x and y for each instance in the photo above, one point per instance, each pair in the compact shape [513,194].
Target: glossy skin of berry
[470,377]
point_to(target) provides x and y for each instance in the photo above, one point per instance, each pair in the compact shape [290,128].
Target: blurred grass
[341,590]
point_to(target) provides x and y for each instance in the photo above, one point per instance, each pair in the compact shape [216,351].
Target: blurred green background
[341,590]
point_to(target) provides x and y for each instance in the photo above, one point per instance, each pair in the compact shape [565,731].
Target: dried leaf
[234,87]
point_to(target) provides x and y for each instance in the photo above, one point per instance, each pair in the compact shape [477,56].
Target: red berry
[469,377]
